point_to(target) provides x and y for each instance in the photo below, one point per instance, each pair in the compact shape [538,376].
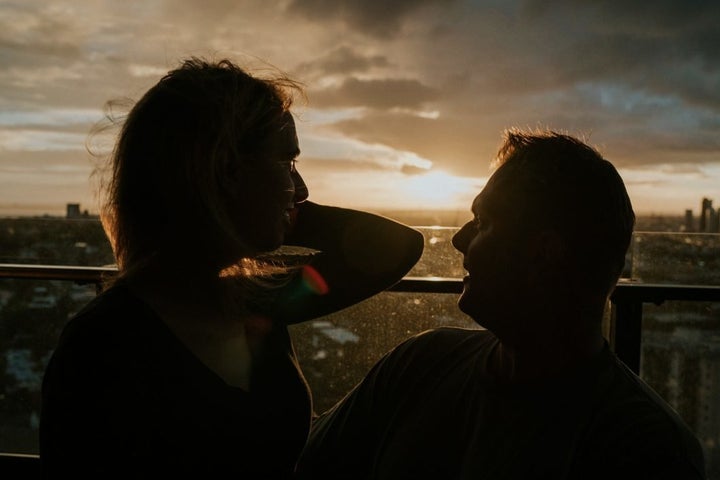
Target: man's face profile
[494,254]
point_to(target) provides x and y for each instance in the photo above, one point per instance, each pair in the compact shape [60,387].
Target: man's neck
[544,358]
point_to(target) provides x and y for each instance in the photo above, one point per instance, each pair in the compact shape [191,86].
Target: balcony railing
[627,299]
[625,320]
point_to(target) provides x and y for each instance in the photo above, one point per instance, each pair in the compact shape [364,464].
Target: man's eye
[478,224]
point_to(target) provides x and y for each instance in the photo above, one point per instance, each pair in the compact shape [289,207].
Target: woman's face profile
[274,189]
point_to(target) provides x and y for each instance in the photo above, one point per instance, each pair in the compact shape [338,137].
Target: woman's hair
[201,124]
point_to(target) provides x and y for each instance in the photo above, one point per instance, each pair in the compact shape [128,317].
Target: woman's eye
[288,165]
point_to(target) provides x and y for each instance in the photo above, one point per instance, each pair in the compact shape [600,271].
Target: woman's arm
[361,254]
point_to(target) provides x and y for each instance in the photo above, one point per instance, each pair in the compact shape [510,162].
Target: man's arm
[357,439]
[344,440]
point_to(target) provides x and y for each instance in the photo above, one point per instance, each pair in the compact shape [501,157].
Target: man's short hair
[561,183]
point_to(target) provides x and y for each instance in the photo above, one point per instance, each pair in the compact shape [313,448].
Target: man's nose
[301,190]
[462,238]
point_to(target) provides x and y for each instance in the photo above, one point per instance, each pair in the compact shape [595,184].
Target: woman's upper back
[123,394]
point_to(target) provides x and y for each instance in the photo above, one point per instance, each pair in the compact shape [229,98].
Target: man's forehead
[497,198]
[486,195]
[477,203]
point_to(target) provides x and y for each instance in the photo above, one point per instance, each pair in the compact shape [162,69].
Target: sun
[439,189]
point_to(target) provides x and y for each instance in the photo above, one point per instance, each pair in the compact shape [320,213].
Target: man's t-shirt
[431,408]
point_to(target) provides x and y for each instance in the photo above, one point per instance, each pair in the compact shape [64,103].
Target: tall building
[689,222]
[714,221]
[73,210]
[706,213]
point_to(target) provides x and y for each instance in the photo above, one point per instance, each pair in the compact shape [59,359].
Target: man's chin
[465,304]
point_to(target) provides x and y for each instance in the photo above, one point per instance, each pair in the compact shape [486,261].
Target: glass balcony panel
[680,355]
[675,258]
[680,360]
[54,241]
[439,259]
[32,315]
[336,351]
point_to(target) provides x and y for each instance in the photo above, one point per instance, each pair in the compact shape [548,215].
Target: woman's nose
[301,190]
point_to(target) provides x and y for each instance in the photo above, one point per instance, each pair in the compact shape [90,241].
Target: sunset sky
[407,99]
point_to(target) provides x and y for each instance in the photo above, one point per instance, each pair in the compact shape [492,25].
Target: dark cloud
[534,47]
[28,36]
[667,47]
[381,18]
[318,166]
[29,51]
[46,161]
[641,79]
[378,94]
[343,60]
[58,57]
[466,145]
[658,19]
[452,144]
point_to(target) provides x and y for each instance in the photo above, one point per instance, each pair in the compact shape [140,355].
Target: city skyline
[407,100]
[704,220]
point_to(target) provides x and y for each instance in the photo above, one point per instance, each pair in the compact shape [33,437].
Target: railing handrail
[624,292]
[659,292]
[56,272]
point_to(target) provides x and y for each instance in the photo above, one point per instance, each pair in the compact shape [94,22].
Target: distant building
[689,222]
[73,211]
[714,221]
[707,212]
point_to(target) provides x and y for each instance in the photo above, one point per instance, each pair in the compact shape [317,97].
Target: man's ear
[549,252]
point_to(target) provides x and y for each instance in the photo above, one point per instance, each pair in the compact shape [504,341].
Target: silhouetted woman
[184,366]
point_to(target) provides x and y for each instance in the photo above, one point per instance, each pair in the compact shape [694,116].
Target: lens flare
[314,281]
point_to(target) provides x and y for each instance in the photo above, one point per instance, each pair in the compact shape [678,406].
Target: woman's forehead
[284,140]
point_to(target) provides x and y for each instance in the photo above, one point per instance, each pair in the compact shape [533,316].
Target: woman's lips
[290,215]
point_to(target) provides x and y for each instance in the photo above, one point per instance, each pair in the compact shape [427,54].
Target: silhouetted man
[538,395]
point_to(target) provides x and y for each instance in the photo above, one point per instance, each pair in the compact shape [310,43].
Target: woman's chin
[267,245]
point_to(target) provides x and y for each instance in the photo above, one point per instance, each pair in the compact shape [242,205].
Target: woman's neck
[205,312]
